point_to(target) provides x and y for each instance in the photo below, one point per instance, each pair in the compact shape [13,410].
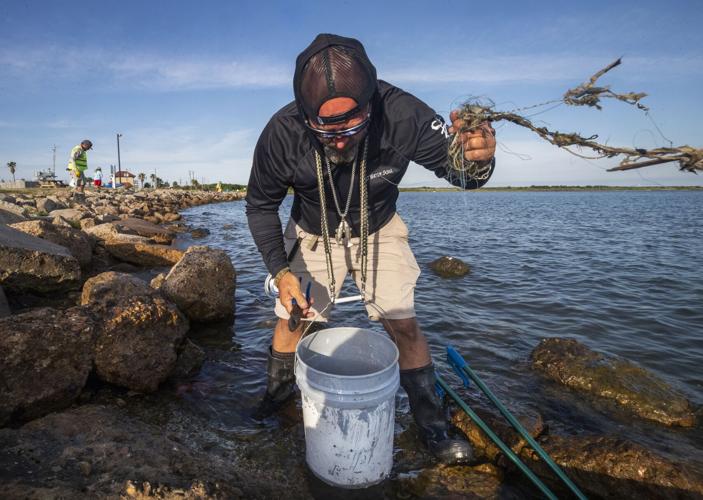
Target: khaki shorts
[392,270]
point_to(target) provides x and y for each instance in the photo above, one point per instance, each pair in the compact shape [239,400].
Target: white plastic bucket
[348,378]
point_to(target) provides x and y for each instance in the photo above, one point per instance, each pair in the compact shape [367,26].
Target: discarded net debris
[587,94]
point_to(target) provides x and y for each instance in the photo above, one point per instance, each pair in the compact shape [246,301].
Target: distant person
[348,134]
[218,188]
[78,164]
[98,178]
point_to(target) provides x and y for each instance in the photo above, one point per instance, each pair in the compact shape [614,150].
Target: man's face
[341,148]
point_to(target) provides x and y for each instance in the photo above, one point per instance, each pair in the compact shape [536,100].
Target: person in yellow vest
[219,187]
[78,163]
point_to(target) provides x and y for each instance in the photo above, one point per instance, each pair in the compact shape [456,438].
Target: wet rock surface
[137,342]
[573,364]
[190,359]
[77,242]
[609,467]
[200,232]
[28,263]
[450,267]
[202,285]
[47,355]
[98,451]
[484,448]
[112,286]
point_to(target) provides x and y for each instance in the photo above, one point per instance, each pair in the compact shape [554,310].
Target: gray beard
[337,157]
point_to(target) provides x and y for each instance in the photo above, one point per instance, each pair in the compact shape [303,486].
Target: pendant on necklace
[340,233]
[343,234]
[347,235]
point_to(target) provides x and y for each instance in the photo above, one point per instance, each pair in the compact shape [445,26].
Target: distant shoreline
[561,188]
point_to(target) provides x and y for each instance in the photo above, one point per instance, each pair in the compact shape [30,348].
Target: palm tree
[12,166]
[153,180]
[141,178]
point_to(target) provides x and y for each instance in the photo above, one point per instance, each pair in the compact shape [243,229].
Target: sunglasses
[347,132]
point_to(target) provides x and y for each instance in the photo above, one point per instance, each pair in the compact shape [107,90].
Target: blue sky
[190,85]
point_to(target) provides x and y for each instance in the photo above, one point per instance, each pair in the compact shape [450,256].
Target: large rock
[138,341]
[609,467]
[202,284]
[575,365]
[10,217]
[11,208]
[111,287]
[141,227]
[141,253]
[483,481]
[80,246]
[450,267]
[28,263]
[484,448]
[72,215]
[46,205]
[47,355]
[104,232]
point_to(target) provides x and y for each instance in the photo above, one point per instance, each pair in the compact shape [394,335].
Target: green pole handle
[503,447]
[523,432]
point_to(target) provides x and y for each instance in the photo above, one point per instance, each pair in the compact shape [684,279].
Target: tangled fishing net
[475,112]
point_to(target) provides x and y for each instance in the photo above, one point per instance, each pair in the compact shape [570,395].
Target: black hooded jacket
[402,129]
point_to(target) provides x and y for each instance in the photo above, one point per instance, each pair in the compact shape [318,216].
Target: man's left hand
[479,143]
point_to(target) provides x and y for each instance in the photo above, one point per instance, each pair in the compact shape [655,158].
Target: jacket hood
[343,70]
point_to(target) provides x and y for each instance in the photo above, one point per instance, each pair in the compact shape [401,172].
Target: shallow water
[619,271]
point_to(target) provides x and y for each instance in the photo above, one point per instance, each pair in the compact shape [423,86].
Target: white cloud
[534,68]
[141,70]
[162,72]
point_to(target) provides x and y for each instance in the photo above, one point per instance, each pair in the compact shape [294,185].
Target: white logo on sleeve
[438,124]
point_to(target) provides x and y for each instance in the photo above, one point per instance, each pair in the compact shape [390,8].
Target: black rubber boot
[280,386]
[431,419]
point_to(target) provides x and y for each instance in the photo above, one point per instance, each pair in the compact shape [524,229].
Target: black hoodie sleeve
[268,184]
[424,138]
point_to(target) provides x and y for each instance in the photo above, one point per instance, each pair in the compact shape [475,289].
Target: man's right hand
[289,289]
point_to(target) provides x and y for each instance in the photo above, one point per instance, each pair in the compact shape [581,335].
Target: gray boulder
[137,342]
[640,392]
[12,208]
[47,355]
[28,263]
[10,216]
[46,205]
[202,284]
[450,267]
[112,286]
[72,215]
[80,245]
[144,228]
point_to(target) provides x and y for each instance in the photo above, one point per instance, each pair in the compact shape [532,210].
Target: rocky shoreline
[97,308]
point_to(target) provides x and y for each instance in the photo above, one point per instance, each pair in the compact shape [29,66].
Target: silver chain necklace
[363,224]
[343,232]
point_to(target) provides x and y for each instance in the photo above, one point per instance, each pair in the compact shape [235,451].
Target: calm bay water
[619,270]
